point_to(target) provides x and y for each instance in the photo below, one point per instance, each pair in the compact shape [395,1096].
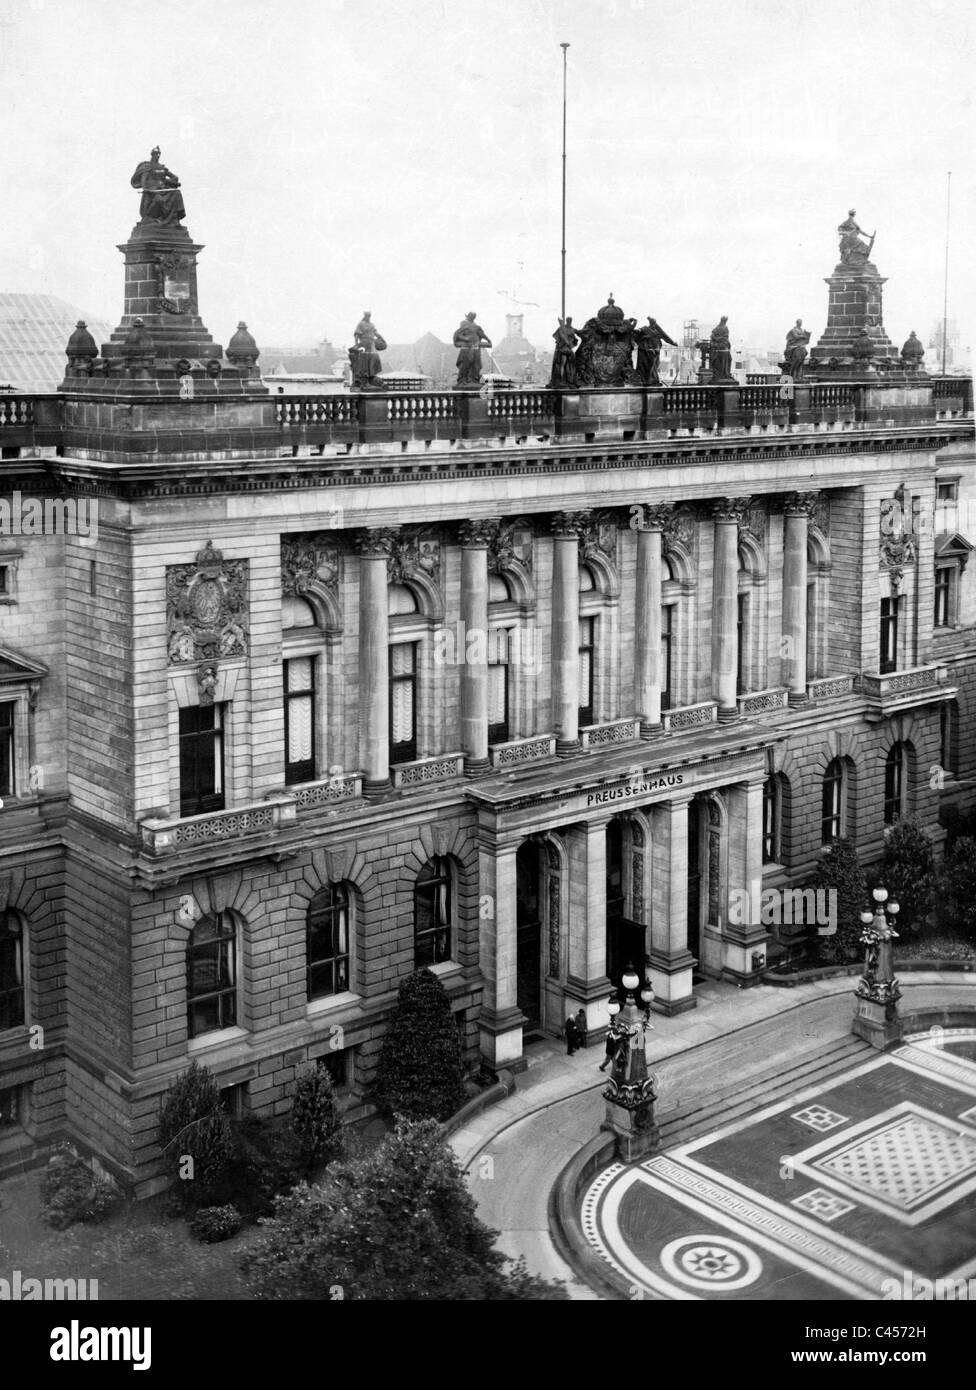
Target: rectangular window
[7,787]
[403,702]
[946,492]
[666,648]
[201,759]
[4,581]
[888,656]
[943,596]
[770,819]
[498,730]
[11,1108]
[586,655]
[211,975]
[328,942]
[740,644]
[893,787]
[299,679]
[830,808]
[11,971]
[947,737]
[337,1066]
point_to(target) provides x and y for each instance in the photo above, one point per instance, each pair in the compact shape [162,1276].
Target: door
[528,923]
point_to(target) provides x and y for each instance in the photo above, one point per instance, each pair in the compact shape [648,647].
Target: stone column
[374,548]
[671,962]
[473,645]
[566,530]
[725,593]
[797,515]
[586,981]
[647,657]
[501,1018]
[744,938]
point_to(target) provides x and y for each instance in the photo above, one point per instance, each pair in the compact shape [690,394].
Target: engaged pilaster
[473,649]
[647,658]
[798,509]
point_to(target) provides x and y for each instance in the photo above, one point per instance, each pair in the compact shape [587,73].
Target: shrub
[396,1224]
[211,1224]
[908,873]
[421,1070]
[193,1123]
[315,1119]
[957,888]
[839,869]
[73,1190]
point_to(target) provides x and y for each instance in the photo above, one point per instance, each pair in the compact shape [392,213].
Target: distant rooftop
[34,330]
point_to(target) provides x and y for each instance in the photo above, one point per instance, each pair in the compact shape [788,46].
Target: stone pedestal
[876,1022]
[854,304]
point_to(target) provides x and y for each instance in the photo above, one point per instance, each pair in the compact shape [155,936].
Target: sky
[405,157]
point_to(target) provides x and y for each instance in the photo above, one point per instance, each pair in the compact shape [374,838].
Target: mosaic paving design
[748,1213]
[905,1163]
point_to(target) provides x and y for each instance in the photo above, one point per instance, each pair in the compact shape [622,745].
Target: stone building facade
[520,689]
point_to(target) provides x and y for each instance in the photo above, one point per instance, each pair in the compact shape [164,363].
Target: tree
[193,1125]
[957,888]
[396,1224]
[908,873]
[421,1069]
[315,1119]
[839,870]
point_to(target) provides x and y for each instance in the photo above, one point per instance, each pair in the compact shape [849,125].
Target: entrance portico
[588,862]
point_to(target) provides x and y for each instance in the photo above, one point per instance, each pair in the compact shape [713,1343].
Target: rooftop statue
[854,251]
[913,352]
[720,353]
[605,356]
[162,201]
[468,338]
[563,358]
[795,353]
[649,342]
[365,354]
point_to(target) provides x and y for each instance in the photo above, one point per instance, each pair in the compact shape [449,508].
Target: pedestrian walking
[611,1046]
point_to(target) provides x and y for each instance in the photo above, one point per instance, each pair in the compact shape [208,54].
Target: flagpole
[562,298]
[945,287]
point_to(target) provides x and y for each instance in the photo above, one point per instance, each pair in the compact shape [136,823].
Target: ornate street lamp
[876,1011]
[630,1094]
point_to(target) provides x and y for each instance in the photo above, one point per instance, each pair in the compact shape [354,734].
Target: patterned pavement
[832,1194]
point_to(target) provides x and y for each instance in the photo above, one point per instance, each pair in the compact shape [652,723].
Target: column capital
[800,503]
[730,510]
[478,533]
[376,543]
[569,525]
[656,516]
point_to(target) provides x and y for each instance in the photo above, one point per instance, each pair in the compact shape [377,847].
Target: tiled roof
[34,331]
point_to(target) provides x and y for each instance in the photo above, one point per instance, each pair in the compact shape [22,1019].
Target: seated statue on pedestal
[912,353]
[162,201]
[854,251]
[364,356]
[720,353]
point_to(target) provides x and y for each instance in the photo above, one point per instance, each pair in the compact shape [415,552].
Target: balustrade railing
[295,411]
[16,411]
[824,395]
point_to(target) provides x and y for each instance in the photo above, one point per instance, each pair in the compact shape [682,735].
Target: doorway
[696,835]
[528,927]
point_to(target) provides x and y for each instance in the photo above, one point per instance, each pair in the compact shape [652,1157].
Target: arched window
[772,809]
[896,783]
[833,813]
[328,941]
[432,914]
[404,664]
[211,974]
[12,971]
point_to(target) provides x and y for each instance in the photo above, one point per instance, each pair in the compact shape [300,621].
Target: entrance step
[715,1105]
